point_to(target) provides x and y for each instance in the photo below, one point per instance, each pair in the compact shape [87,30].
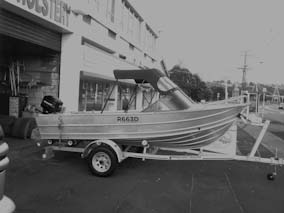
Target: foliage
[217,89]
[190,83]
[198,90]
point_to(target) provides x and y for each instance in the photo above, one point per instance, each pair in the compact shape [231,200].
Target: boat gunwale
[110,113]
[184,131]
[136,124]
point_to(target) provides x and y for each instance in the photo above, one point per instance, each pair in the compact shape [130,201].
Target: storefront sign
[55,10]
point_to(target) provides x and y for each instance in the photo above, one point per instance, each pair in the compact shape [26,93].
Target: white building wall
[98,44]
[71,60]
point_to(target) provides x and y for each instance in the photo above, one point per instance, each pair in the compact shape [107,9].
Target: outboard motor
[51,104]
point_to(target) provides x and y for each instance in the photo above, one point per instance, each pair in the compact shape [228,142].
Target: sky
[209,37]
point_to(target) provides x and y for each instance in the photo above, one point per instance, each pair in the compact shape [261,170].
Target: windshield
[175,99]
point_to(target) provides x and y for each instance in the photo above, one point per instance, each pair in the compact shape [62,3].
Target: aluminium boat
[173,121]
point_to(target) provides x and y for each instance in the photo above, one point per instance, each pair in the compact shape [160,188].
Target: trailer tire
[102,161]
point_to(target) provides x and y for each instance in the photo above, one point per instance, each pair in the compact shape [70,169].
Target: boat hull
[184,128]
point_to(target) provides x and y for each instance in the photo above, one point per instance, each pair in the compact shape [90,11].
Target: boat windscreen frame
[133,94]
[151,98]
[108,97]
[111,91]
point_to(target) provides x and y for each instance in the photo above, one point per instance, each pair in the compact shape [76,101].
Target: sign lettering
[56,10]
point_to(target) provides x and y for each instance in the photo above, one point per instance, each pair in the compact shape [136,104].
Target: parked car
[6,204]
[281,106]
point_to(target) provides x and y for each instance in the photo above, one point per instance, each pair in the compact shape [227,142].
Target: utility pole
[276,94]
[244,69]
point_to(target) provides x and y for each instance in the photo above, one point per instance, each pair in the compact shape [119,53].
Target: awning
[95,76]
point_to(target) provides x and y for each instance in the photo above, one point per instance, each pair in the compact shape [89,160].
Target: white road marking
[191,193]
[233,192]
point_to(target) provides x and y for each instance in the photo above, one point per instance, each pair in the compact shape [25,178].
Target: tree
[190,83]
[218,89]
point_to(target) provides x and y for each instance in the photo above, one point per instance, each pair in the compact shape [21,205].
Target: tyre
[21,128]
[7,123]
[2,134]
[32,126]
[102,161]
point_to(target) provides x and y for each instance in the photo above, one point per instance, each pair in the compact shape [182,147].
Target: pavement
[271,141]
[64,184]
[273,109]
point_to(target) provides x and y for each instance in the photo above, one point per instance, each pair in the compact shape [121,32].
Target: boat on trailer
[173,123]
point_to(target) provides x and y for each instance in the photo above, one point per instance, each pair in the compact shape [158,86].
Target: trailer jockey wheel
[102,161]
[271,176]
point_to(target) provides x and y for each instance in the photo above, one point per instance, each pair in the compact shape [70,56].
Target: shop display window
[92,95]
[94,92]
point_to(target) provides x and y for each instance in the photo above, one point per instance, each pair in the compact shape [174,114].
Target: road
[277,120]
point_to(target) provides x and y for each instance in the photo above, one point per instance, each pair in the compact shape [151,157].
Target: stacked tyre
[17,127]
[7,123]
[6,204]
[23,127]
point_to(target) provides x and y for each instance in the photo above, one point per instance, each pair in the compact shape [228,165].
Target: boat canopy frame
[133,94]
[145,76]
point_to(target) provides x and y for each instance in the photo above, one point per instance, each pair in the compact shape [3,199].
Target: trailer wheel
[102,161]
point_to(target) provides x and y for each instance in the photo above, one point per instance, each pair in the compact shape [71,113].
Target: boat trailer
[104,155]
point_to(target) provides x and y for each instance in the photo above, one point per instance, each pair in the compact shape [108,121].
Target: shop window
[93,94]
[126,94]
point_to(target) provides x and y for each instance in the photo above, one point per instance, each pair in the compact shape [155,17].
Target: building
[69,49]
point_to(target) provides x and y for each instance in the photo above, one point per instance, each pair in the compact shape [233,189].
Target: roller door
[18,27]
